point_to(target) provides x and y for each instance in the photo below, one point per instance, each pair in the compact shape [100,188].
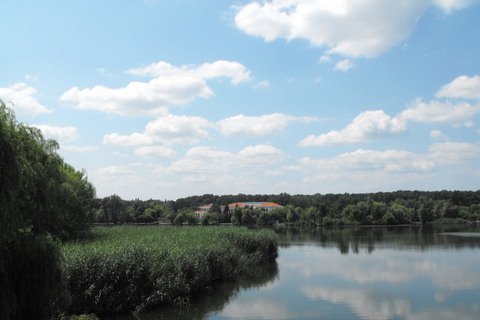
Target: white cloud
[462,87]
[437,134]
[168,130]
[389,160]
[270,172]
[254,127]
[159,152]
[367,126]
[120,180]
[262,84]
[325,59]
[349,28]
[221,68]
[62,134]
[208,160]
[85,149]
[172,86]
[453,152]
[344,65]
[21,96]
[450,5]
[437,111]
[375,125]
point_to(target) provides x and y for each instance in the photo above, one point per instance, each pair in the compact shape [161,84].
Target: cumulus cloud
[450,5]
[375,125]
[61,134]
[348,28]
[389,160]
[171,86]
[221,68]
[270,172]
[158,152]
[368,126]
[211,161]
[453,152]
[437,134]
[462,87]
[168,130]
[23,102]
[254,127]
[344,65]
[437,111]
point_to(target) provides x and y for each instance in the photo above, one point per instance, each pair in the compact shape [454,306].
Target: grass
[131,268]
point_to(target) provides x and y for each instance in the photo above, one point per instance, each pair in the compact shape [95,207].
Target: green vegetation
[381,208]
[41,199]
[131,268]
[367,212]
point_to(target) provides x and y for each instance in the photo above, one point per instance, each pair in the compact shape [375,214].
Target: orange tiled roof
[260,204]
[270,204]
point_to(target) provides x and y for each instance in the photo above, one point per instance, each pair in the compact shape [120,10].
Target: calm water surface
[353,273]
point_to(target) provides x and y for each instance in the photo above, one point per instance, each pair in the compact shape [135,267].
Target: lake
[408,272]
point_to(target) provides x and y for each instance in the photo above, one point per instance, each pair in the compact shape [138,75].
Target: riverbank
[130,268]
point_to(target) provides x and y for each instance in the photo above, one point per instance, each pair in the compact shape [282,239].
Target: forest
[380,208]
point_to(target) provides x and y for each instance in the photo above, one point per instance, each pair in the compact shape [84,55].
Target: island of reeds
[132,268]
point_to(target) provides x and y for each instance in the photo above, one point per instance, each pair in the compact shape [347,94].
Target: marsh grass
[133,268]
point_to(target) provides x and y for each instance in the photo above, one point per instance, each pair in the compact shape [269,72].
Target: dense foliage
[128,268]
[41,198]
[457,198]
[381,208]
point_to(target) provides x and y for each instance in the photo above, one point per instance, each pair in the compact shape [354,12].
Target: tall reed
[132,268]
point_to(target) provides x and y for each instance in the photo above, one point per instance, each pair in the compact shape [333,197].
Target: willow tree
[41,199]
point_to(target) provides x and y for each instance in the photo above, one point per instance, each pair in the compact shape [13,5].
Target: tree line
[381,208]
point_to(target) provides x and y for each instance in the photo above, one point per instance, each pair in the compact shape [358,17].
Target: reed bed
[132,268]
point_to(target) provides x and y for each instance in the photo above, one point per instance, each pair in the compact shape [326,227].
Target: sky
[169,99]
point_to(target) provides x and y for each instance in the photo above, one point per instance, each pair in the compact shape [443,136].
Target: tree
[154,210]
[40,197]
[114,209]
[426,210]
[206,219]
[237,215]
[180,219]
[292,214]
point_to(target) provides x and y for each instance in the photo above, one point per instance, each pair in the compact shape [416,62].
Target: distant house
[202,210]
[264,206]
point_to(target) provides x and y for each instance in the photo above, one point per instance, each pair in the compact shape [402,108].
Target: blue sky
[167,99]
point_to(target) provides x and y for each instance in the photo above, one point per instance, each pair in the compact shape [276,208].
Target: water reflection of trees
[367,239]
[214,298]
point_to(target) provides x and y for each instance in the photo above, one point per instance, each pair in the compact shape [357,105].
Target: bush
[144,219]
